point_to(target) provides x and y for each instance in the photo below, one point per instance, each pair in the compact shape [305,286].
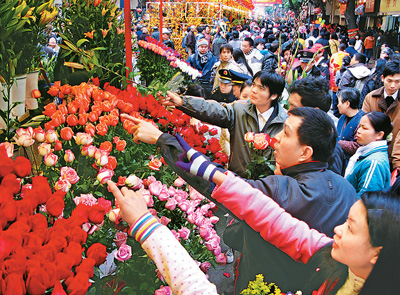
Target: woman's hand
[172,99]
[132,204]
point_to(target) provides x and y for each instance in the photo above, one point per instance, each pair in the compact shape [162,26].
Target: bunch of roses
[171,55]
[166,201]
[260,141]
[34,255]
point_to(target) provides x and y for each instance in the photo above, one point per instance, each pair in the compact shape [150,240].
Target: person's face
[260,95]
[225,87]
[352,244]
[366,133]
[245,94]
[287,56]
[225,55]
[236,90]
[342,106]
[288,149]
[260,46]
[383,46]
[294,101]
[208,30]
[383,55]
[353,60]
[203,49]
[246,46]
[391,83]
[165,36]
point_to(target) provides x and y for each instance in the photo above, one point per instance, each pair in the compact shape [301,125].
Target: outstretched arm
[174,263]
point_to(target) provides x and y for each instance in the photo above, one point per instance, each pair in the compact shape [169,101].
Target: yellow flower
[103,11]
[89,34]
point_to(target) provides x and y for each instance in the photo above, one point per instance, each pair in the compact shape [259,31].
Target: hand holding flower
[143,131]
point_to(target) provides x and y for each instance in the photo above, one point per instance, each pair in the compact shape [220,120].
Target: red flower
[74,251]
[272,142]
[63,109]
[204,128]
[106,146]
[55,205]
[121,144]
[22,166]
[77,234]
[40,278]
[36,93]
[49,109]
[112,163]
[58,146]
[98,252]
[83,119]
[96,81]
[72,107]
[105,204]
[261,141]
[66,133]
[101,129]
[53,91]
[72,120]
[86,266]
[155,164]
[11,183]
[90,129]
[14,284]
[96,214]
[66,89]
[58,289]
[79,284]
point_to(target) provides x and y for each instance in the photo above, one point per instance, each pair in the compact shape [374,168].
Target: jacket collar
[279,118]
[304,167]
[380,94]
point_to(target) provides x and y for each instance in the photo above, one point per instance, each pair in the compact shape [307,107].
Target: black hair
[314,92]
[352,95]
[195,90]
[271,38]
[361,58]
[334,36]
[259,41]
[274,46]
[383,218]
[250,40]
[315,33]
[245,84]
[317,130]
[200,29]
[325,35]
[396,57]
[246,27]
[226,46]
[381,122]
[235,34]
[391,68]
[310,43]
[342,46]
[352,42]
[239,57]
[272,80]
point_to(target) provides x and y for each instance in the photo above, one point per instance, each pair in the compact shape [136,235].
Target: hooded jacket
[353,73]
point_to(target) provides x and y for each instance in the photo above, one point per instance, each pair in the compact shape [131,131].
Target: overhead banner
[266,2]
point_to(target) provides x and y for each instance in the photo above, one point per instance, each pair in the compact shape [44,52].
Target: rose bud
[69,156]
[39,134]
[114,215]
[133,182]
[44,149]
[50,159]
[51,136]
[123,253]
[155,164]
[105,175]
[62,185]
[66,133]
[36,93]
[58,146]
[102,161]
[69,174]
[249,136]
[9,147]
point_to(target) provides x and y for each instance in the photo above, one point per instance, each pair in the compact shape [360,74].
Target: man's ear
[307,154]
[273,97]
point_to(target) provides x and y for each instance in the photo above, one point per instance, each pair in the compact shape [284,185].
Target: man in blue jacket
[203,60]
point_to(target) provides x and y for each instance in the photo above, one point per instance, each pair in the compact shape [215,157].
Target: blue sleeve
[374,175]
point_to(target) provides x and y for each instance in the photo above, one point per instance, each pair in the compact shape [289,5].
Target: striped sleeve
[144,227]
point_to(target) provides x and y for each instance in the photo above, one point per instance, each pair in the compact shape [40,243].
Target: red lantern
[139,10]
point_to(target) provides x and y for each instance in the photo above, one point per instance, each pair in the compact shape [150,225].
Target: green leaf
[81,41]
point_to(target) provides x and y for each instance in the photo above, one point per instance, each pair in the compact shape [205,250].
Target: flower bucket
[18,95]
[32,80]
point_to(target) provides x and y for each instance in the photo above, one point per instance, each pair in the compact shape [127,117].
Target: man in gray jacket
[261,114]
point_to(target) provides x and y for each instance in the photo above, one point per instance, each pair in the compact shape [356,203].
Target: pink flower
[165,220]
[176,235]
[249,136]
[105,175]
[212,244]
[83,138]
[148,198]
[171,191]
[133,182]
[102,160]
[155,188]
[184,205]
[50,159]
[39,134]
[124,253]
[205,233]
[44,149]
[9,146]
[179,182]
[69,174]
[62,185]
[180,196]
[171,204]
[120,238]
[184,233]
[205,266]
[99,153]
[88,150]
[86,199]
[221,258]
[24,137]
[51,136]
[163,195]
[214,219]
[163,291]
[195,195]
[69,156]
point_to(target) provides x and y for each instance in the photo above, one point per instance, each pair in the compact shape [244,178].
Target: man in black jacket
[306,189]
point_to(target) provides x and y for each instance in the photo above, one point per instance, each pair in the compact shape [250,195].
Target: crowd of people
[329,216]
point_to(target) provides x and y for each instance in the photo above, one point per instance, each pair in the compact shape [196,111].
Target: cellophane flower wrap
[82,143]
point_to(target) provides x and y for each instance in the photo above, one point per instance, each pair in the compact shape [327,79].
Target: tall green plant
[93,27]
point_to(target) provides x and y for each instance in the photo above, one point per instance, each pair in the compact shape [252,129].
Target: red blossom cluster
[36,255]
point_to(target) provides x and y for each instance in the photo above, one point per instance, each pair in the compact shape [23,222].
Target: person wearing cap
[155,34]
[223,92]
[238,79]
[226,62]
[320,61]
[203,60]
[52,47]
[166,38]
[307,63]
